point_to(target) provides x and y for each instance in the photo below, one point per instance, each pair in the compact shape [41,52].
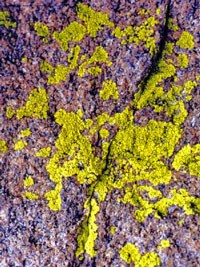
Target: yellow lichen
[94,21]
[31,196]
[135,153]
[165,243]
[74,33]
[182,199]
[26,132]
[168,49]
[82,164]
[36,106]
[4,20]
[44,152]
[109,89]
[171,25]
[152,89]
[73,57]
[178,111]
[76,147]
[100,55]
[172,101]
[45,66]
[19,145]
[112,230]
[158,11]
[10,112]
[159,132]
[139,34]
[188,158]
[104,133]
[95,70]
[152,192]
[28,181]
[54,198]
[189,86]
[42,30]
[88,231]
[59,73]
[24,59]
[142,142]
[3,146]
[186,40]
[153,94]
[118,33]
[144,11]
[181,222]
[131,254]
[182,60]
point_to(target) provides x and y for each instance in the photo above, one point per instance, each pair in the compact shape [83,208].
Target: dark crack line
[158,56]
[107,161]
[155,61]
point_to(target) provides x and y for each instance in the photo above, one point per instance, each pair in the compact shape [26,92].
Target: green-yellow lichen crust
[94,21]
[180,198]
[131,254]
[171,25]
[135,160]
[44,152]
[100,55]
[45,66]
[26,132]
[28,181]
[31,196]
[104,133]
[10,112]
[42,30]
[137,150]
[143,33]
[19,145]
[94,70]
[74,32]
[36,106]
[109,89]
[58,74]
[54,198]
[112,230]
[24,59]
[88,231]
[153,94]
[4,20]
[182,60]
[144,12]
[165,243]
[186,40]
[188,159]
[3,146]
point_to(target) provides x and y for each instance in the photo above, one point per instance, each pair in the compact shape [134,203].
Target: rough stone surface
[30,233]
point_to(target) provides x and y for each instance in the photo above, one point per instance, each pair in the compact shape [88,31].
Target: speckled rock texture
[33,235]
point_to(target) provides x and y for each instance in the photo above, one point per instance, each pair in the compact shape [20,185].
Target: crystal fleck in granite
[99,133]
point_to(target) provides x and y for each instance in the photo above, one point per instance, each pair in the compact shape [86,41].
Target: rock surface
[31,233]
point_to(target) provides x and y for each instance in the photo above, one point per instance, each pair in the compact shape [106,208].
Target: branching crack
[158,55]
[143,83]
